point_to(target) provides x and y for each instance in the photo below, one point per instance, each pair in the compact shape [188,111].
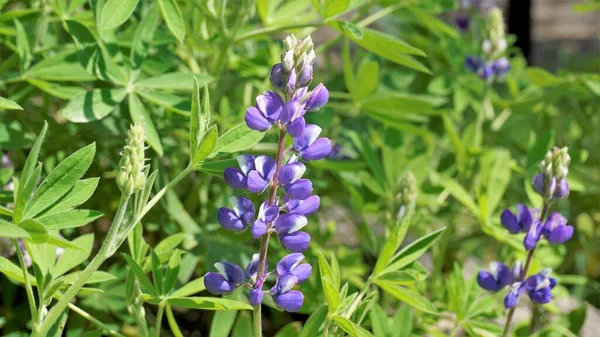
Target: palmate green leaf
[167,100]
[30,164]
[332,296]
[190,288]
[413,251]
[141,276]
[395,105]
[499,178]
[399,277]
[172,272]
[207,145]
[80,193]
[9,105]
[116,12]
[208,303]
[370,157]
[408,296]
[69,219]
[143,36]
[60,180]
[62,66]
[157,272]
[172,15]
[140,116]
[238,138]
[72,257]
[37,232]
[58,241]
[97,277]
[13,271]
[8,230]
[57,90]
[165,249]
[93,105]
[25,191]
[177,81]
[350,327]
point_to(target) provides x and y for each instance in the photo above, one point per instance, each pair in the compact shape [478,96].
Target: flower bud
[289,43]
[291,82]
[276,76]
[407,195]
[288,61]
[306,76]
[131,177]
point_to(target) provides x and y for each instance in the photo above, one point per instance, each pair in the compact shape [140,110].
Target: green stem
[94,320]
[28,288]
[103,255]
[159,315]
[162,192]
[172,322]
[256,320]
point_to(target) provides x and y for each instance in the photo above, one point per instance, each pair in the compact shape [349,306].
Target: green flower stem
[162,192]
[159,316]
[28,288]
[97,261]
[172,322]
[525,270]
[92,319]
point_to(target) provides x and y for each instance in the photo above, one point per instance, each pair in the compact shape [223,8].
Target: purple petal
[258,228]
[524,217]
[289,173]
[276,76]
[318,150]
[235,178]
[231,272]
[229,220]
[291,111]
[501,66]
[510,301]
[246,163]
[256,120]
[290,223]
[560,234]
[509,221]
[301,189]
[473,63]
[256,183]
[462,23]
[243,208]
[265,165]
[271,104]
[487,281]
[309,135]
[284,284]
[302,272]
[562,190]
[255,296]
[268,213]
[296,128]
[217,285]
[290,301]
[538,183]
[318,98]
[305,76]
[532,237]
[503,274]
[288,263]
[290,86]
[541,296]
[252,267]
[305,207]
[296,242]
[555,220]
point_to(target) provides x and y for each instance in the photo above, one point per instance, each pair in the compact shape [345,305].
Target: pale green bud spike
[407,195]
[131,177]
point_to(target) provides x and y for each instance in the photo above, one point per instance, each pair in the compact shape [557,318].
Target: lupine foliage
[302,168]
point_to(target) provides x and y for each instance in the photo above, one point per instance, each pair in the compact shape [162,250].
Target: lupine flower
[556,229]
[539,287]
[291,264]
[288,227]
[266,214]
[276,76]
[317,99]
[516,289]
[251,271]
[497,278]
[239,217]
[463,22]
[309,147]
[474,63]
[303,207]
[260,177]
[286,298]
[521,222]
[266,112]
[230,277]
[501,66]
[238,178]
[533,236]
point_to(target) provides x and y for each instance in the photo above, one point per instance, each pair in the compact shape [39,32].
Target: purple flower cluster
[535,225]
[487,70]
[282,213]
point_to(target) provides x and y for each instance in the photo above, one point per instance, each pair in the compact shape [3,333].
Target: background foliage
[401,100]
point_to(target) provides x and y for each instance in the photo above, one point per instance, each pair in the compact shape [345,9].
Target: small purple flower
[497,278]
[533,236]
[255,296]
[306,76]
[290,173]
[238,178]
[304,207]
[474,63]
[539,287]
[501,66]
[517,271]
[486,72]
[296,242]
[230,277]
[291,264]
[556,230]
[252,269]
[276,76]
[286,298]
[290,86]
[267,111]
[239,217]
[539,183]
[266,214]
[300,189]
[309,147]
[511,299]
[290,223]
[521,222]
[562,190]
[462,22]
[259,179]
[318,98]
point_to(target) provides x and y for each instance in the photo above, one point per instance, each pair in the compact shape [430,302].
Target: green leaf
[199,116]
[368,74]
[166,100]
[313,323]
[332,296]
[37,232]
[13,271]
[413,251]
[408,296]
[542,78]
[157,272]
[432,23]
[207,145]
[174,81]
[370,157]
[97,277]
[60,180]
[350,327]
[238,138]
[76,196]
[499,178]
[208,303]
[173,18]
[62,66]
[9,105]
[8,230]
[334,7]
[58,241]
[190,288]
[586,7]
[56,90]
[31,161]
[172,272]
[222,323]
[393,242]
[143,36]
[395,105]
[399,277]
[379,320]
[141,276]
[25,191]
[93,105]
[72,257]
[164,249]
[140,116]
[325,269]
[457,192]
[115,12]
[69,219]
[23,48]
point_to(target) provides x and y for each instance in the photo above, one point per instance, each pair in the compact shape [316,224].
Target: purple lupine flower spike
[497,278]
[239,217]
[474,63]
[309,147]
[252,269]
[556,230]
[238,178]
[230,277]
[266,214]
[318,98]
[501,67]
[521,222]
[290,173]
[306,76]
[266,113]
[259,179]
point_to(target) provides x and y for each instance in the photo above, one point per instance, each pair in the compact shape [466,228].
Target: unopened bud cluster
[407,195]
[296,68]
[131,177]
[496,44]
[551,181]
